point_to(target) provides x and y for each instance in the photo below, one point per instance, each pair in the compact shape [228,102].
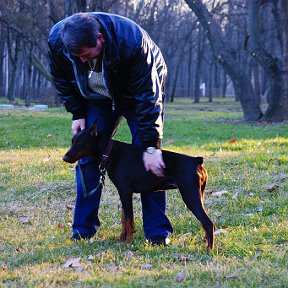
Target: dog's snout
[200,160]
[67,159]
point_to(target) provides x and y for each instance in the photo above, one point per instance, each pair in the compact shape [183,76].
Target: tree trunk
[81,5]
[256,78]
[284,10]
[175,82]
[190,68]
[14,64]
[271,65]
[199,60]
[210,82]
[242,84]
[216,78]
[2,55]
[224,85]
[28,75]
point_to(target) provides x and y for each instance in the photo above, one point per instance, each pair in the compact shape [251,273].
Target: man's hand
[77,125]
[154,162]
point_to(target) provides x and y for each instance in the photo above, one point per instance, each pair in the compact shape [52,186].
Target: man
[103,66]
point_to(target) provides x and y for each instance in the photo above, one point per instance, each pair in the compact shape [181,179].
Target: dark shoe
[159,241]
[78,237]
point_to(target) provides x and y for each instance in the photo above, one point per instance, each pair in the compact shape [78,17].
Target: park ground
[246,197]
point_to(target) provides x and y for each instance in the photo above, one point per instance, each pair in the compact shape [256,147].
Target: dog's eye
[74,140]
[77,141]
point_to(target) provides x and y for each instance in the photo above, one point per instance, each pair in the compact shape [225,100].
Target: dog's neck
[100,146]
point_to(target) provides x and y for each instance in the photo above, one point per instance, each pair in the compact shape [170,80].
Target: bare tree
[277,108]
[198,65]
[284,10]
[214,56]
[224,55]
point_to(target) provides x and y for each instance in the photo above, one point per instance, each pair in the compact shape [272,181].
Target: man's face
[89,53]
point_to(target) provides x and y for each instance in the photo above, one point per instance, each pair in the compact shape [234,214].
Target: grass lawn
[247,164]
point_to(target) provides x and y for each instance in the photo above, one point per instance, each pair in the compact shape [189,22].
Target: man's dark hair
[79,30]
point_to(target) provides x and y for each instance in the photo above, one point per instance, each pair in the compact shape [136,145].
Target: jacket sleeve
[63,77]
[147,75]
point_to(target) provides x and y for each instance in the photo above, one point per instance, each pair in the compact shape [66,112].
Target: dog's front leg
[123,233]
[128,227]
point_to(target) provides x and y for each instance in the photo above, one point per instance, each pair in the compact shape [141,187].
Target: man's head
[81,36]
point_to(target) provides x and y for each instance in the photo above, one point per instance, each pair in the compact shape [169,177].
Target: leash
[102,165]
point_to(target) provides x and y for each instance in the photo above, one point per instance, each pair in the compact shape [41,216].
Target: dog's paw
[121,238]
[128,239]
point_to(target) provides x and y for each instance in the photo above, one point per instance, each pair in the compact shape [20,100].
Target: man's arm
[63,76]
[147,79]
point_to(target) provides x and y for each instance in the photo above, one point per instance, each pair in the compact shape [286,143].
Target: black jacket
[134,71]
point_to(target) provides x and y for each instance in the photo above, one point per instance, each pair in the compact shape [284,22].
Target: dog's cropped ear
[94,129]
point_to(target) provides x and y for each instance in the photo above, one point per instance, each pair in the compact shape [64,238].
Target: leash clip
[102,169]
[102,180]
[102,165]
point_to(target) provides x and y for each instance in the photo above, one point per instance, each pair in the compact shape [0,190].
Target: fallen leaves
[169,141]
[219,193]
[51,163]
[273,188]
[259,209]
[257,255]
[208,191]
[216,194]
[23,219]
[129,254]
[231,276]
[115,269]
[180,277]
[60,225]
[146,267]
[119,206]
[72,168]
[235,196]
[90,258]
[251,211]
[184,237]
[69,207]
[183,258]
[72,262]
[219,231]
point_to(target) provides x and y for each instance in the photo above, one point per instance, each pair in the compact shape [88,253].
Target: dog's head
[82,144]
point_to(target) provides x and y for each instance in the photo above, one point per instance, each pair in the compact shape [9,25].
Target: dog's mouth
[68,159]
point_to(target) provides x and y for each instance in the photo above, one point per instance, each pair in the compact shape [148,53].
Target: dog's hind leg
[203,177]
[191,194]
[128,227]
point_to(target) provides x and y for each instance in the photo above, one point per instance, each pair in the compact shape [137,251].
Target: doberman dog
[127,172]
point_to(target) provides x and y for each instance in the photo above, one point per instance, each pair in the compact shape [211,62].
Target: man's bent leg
[86,221]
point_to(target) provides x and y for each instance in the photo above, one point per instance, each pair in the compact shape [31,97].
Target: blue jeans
[86,221]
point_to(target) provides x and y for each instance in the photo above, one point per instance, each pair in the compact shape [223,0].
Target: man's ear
[100,37]
[94,129]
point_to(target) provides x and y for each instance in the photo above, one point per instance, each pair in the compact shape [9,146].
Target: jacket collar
[111,54]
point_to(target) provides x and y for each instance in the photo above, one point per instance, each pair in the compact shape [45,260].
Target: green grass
[251,251]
